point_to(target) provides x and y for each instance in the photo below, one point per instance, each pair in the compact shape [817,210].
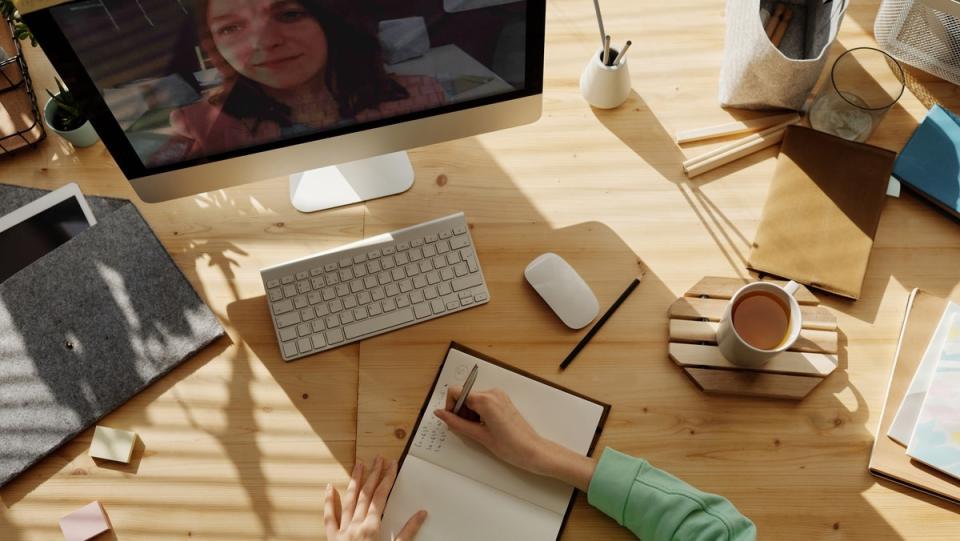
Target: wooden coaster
[694,319]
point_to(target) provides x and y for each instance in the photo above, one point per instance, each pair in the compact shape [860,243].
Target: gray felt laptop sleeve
[86,327]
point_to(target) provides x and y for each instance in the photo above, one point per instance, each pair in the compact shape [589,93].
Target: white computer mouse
[563,290]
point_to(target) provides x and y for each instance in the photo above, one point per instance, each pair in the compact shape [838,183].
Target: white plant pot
[605,87]
[83,136]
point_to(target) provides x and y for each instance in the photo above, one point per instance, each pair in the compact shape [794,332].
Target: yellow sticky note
[112,444]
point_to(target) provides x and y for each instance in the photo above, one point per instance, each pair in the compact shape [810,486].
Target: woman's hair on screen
[354,74]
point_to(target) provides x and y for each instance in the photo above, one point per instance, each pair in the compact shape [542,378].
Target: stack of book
[918,443]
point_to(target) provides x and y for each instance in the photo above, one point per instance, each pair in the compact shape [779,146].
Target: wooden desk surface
[239,445]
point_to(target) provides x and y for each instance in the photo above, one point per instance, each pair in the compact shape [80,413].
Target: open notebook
[471,495]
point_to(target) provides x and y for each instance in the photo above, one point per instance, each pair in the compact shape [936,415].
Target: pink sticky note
[84,523]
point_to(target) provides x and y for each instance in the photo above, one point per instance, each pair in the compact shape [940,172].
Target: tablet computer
[38,227]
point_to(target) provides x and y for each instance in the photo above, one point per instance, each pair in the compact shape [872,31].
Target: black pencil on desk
[603,319]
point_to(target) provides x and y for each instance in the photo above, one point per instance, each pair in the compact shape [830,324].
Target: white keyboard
[374,286]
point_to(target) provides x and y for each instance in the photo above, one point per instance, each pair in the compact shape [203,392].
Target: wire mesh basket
[922,33]
[20,121]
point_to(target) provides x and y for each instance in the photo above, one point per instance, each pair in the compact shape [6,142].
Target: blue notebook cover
[930,161]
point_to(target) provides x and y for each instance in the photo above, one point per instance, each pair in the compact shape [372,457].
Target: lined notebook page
[454,477]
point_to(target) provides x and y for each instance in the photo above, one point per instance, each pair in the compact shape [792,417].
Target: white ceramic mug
[605,87]
[735,348]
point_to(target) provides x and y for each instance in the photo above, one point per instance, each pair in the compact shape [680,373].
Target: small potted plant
[64,116]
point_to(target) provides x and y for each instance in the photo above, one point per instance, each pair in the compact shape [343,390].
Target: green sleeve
[657,506]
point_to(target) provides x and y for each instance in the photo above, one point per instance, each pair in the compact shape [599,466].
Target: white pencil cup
[605,87]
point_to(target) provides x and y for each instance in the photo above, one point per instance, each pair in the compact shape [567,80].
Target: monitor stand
[351,182]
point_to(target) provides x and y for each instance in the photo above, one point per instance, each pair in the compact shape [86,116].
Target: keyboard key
[397,274]
[419,281]
[459,230]
[403,246]
[460,269]
[447,273]
[304,329]
[389,305]
[330,267]
[374,309]
[317,282]
[302,275]
[472,264]
[332,278]
[430,293]
[425,266]
[307,314]
[445,288]
[346,275]
[360,271]
[416,297]
[276,294]
[438,307]
[334,336]
[288,333]
[446,234]
[300,301]
[329,294]
[370,281]
[433,277]
[432,238]
[289,290]
[282,306]
[453,258]
[303,286]
[453,305]
[415,254]
[356,286]
[335,306]
[412,269]
[403,301]
[373,266]
[388,263]
[318,325]
[422,310]
[288,279]
[429,251]
[342,290]
[443,247]
[373,254]
[318,341]
[332,322]
[389,250]
[377,293]
[273,283]
[364,297]
[316,271]
[321,310]
[290,349]
[406,286]
[346,262]
[379,323]
[415,243]
[314,297]
[350,302]
[347,316]
[290,318]
[439,262]
[402,258]
[466,301]
[360,258]
[304,345]
[360,313]
[459,242]
[466,282]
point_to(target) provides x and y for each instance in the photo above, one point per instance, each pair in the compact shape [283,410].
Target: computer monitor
[191,96]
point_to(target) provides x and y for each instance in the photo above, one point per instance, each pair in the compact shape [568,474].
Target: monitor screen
[194,81]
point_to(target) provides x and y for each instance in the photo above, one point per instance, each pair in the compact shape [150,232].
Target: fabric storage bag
[755,73]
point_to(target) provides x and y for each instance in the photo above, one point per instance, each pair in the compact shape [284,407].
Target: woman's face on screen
[276,43]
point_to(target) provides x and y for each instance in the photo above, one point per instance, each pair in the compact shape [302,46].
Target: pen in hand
[467,385]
